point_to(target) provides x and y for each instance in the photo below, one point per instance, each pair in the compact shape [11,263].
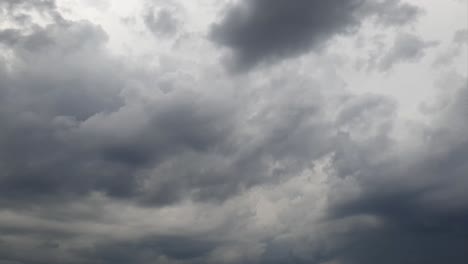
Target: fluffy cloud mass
[233,132]
[262,30]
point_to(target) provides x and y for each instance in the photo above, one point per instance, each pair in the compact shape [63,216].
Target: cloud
[392,12]
[409,196]
[74,128]
[164,23]
[446,58]
[17,10]
[264,31]
[28,5]
[40,103]
[461,36]
[406,48]
[100,162]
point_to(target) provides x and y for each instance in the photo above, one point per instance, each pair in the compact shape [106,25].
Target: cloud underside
[263,31]
[100,164]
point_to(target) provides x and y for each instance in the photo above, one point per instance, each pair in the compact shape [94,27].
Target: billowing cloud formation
[85,130]
[414,193]
[110,159]
[263,30]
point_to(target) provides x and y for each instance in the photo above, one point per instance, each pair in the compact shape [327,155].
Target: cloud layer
[111,158]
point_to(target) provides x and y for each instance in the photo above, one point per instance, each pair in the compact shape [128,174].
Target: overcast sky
[233,131]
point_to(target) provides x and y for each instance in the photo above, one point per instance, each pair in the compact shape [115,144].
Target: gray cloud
[273,168]
[406,48]
[164,23]
[409,194]
[22,5]
[70,128]
[14,9]
[461,36]
[392,12]
[260,31]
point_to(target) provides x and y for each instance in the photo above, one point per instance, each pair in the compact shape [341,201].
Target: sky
[233,131]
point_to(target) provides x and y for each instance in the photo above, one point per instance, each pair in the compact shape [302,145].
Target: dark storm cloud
[417,199]
[262,30]
[70,129]
[91,171]
[148,250]
[39,100]
[65,125]
[35,103]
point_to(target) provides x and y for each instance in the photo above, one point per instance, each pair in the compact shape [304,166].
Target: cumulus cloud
[74,128]
[259,31]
